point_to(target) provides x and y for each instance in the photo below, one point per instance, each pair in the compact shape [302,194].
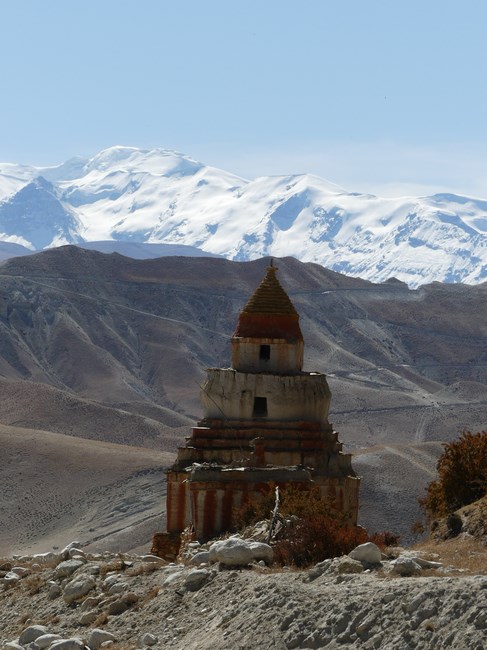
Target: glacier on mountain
[36,216]
[156,196]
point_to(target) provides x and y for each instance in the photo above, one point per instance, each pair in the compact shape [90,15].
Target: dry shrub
[465,554]
[101,619]
[50,619]
[33,584]
[300,500]
[152,593]
[418,528]
[114,566]
[316,537]
[23,618]
[462,476]
[142,569]
[254,509]
[385,539]
[314,529]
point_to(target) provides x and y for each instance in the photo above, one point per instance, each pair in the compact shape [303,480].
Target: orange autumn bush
[311,529]
[462,476]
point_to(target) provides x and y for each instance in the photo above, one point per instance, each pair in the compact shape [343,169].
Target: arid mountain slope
[402,365]
[38,406]
[57,487]
[98,349]
[393,476]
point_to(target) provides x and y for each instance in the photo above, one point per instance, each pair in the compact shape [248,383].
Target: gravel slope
[251,608]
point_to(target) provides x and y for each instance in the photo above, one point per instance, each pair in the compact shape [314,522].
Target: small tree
[462,476]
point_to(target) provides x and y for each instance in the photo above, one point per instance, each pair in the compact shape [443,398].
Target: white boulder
[47,558]
[110,581]
[31,633]
[21,571]
[54,591]
[425,564]
[45,640]
[347,564]
[97,637]
[66,550]
[196,579]
[173,577]
[368,553]
[67,568]
[148,639]
[118,588]
[152,558]
[203,557]
[261,551]
[68,644]
[87,618]
[405,566]
[78,587]
[233,551]
[10,579]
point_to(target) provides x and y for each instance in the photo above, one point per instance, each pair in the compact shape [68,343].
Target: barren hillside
[110,349]
[140,333]
[56,487]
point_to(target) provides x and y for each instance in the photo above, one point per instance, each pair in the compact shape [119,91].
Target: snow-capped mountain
[36,215]
[162,197]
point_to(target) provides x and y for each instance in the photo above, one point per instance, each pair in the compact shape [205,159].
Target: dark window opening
[260,407]
[265,352]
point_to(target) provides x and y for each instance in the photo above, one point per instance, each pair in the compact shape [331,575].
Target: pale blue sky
[375,95]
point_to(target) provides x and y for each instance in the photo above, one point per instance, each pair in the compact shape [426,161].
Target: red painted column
[209,512]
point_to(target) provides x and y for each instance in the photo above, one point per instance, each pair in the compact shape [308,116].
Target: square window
[260,407]
[265,352]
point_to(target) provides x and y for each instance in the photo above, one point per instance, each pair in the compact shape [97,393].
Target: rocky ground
[408,600]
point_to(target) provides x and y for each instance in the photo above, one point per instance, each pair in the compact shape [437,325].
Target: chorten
[265,420]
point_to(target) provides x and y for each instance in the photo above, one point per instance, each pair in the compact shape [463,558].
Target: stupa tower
[264,420]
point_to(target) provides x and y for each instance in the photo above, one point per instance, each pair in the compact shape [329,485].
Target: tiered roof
[270,297]
[269,313]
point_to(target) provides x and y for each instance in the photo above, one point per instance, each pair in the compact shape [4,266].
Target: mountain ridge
[117,330]
[158,196]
